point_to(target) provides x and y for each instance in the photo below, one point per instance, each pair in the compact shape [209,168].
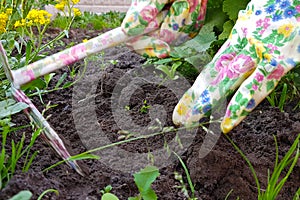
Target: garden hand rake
[49,64]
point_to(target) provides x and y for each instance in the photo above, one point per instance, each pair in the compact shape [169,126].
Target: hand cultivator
[49,64]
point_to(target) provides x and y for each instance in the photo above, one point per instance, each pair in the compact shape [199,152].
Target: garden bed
[87,116]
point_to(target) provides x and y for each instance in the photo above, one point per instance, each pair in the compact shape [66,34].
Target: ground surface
[109,98]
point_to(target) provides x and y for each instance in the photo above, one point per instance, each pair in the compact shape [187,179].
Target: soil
[112,97]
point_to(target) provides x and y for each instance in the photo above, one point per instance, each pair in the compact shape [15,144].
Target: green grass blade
[187,174]
[28,164]
[47,191]
[283,96]
[294,162]
[248,162]
[274,186]
[297,195]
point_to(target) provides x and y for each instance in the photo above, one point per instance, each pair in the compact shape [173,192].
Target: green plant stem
[85,154]
[187,174]
[248,162]
[47,191]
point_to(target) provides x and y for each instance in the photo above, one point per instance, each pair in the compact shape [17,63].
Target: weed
[91,20]
[8,161]
[47,191]
[191,185]
[274,183]
[23,195]
[107,195]
[145,107]
[287,90]
[143,180]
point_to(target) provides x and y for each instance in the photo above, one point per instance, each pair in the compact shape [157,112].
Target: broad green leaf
[48,78]
[6,103]
[12,109]
[23,195]
[199,60]
[203,40]
[109,196]
[215,20]
[149,195]
[143,180]
[214,4]
[37,83]
[232,7]
[227,27]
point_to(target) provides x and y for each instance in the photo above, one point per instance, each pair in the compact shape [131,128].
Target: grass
[278,177]
[9,160]
[91,21]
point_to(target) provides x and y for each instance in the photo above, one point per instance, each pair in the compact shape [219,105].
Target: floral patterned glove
[175,21]
[263,46]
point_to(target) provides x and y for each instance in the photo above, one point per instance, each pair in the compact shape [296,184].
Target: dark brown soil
[109,98]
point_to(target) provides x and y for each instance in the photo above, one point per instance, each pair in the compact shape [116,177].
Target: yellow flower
[75,1]
[60,6]
[17,24]
[9,11]
[38,17]
[3,22]
[76,12]
[286,29]
[85,40]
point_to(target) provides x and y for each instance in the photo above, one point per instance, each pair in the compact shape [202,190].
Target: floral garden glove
[263,46]
[175,21]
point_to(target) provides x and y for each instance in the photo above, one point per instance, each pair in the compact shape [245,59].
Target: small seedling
[145,107]
[107,195]
[127,107]
[143,180]
[191,185]
[114,62]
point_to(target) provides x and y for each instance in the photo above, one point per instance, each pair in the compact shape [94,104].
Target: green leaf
[203,40]
[109,196]
[48,78]
[143,180]
[28,51]
[199,60]
[37,83]
[12,109]
[60,80]
[214,4]
[215,20]
[66,85]
[227,27]
[23,195]
[232,7]
[133,198]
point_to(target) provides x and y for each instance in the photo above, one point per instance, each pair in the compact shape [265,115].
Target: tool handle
[68,56]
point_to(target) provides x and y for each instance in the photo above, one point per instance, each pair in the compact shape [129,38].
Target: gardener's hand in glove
[263,46]
[175,21]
